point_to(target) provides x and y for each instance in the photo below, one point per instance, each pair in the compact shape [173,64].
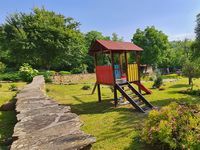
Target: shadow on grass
[179,86]
[7,122]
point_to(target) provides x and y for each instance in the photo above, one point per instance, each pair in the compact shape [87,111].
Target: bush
[85,87]
[2,67]
[76,71]
[47,75]
[10,76]
[158,82]
[13,87]
[64,72]
[175,126]
[27,72]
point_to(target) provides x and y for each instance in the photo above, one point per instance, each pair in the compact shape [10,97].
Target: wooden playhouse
[113,68]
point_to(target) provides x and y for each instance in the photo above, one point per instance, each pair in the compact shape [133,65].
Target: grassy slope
[114,128]
[7,118]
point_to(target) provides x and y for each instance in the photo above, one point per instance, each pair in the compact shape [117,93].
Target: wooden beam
[114,80]
[126,62]
[138,64]
[99,92]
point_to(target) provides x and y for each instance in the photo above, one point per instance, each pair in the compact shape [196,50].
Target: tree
[154,42]
[116,38]
[191,69]
[43,38]
[197,29]
[196,44]
[89,38]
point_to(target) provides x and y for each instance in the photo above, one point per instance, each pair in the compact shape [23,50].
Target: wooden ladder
[135,98]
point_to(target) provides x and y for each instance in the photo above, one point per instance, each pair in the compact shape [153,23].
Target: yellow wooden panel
[132,72]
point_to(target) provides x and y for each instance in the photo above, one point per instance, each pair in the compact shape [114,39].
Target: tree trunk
[190,80]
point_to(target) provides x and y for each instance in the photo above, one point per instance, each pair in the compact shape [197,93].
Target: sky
[176,18]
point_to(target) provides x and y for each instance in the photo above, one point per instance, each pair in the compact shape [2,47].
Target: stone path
[45,125]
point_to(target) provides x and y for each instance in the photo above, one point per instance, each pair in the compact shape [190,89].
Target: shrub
[27,72]
[175,126]
[47,75]
[13,87]
[85,87]
[158,82]
[76,71]
[10,76]
[2,67]
[65,72]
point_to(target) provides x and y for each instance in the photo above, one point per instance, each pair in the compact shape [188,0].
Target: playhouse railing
[133,72]
[104,75]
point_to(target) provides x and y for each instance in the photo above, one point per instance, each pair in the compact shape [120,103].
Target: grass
[116,128]
[7,118]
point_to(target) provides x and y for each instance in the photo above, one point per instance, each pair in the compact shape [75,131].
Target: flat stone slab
[45,125]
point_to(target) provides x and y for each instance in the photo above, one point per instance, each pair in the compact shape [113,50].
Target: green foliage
[43,38]
[76,70]
[116,38]
[173,127]
[158,82]
[2,67]
[191,69]
[197,29]
[89,38]
[86,87]
[13,87]
[64,72]
[47,75]
[10,76]
[27,72]
[155,44]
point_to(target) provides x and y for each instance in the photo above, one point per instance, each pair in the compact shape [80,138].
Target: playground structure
[115,69]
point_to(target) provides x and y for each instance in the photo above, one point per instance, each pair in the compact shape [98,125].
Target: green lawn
[7,118]
[115,128]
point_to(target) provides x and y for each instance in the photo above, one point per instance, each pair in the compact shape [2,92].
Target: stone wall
[45,125]
[74,78]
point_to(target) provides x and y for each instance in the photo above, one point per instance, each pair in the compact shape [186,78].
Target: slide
[143,88]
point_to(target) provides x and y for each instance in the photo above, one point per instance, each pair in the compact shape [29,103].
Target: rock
[43,124]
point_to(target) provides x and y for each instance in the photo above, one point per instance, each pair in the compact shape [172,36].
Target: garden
[28,48]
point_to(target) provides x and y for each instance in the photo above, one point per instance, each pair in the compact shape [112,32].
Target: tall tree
[197,29]
[115,37]
[43,38]
[196,44]
[154,42]
[89,38]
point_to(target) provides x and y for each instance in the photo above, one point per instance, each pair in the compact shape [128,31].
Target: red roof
[104,45]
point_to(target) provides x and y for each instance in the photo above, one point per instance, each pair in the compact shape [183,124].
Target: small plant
[47,75]
[13,87]
[2,67]
[85,87]
[27,72]
[175,126]
[158,82]
[10,76]
[47,90]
